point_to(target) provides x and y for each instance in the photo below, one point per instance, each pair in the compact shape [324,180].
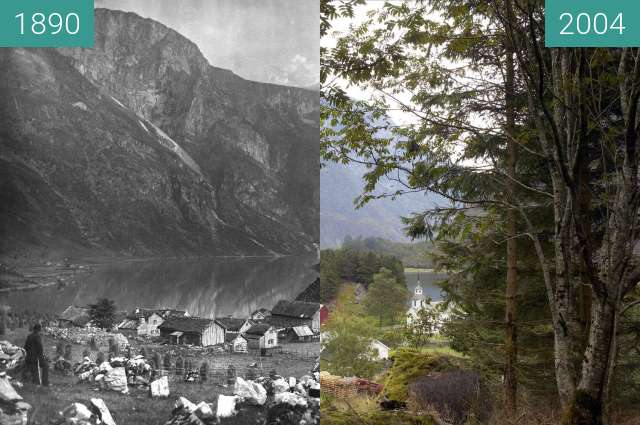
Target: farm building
[191,330]
[324,314]
[233,326]
[148,321]
[261,335]
[128,327]
[166,313]
[74,316]
[260,314]
[300,334]
[381,349]
[287,314]
[151,325]
[239,344]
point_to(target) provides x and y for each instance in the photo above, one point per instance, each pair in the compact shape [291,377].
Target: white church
[419,301]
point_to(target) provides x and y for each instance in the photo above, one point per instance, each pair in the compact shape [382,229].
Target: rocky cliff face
[140,146]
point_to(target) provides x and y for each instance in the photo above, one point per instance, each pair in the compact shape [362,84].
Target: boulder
[314,389]
[291,399]
[280,385]
[7,393]
[116,380]
[102,411]
[226,406]
[251,392]
[186,405]
[203,410]
[160,387]
[76,413]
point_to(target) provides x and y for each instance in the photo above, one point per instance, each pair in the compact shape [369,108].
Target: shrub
[167,361]
[204,371]
[143,352]
[67,352]
[60,348]
[114,348]
[251,374]
[157,360]
[409,365]
[457,396]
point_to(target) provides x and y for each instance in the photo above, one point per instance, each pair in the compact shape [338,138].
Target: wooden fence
[219,376]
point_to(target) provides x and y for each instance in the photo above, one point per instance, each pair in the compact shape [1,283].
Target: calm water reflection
[428,280]
[206,288]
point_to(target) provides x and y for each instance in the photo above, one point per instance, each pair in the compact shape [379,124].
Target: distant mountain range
[340,185]
[139,146]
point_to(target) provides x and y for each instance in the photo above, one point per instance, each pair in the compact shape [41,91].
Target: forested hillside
[412,254]
[341,266]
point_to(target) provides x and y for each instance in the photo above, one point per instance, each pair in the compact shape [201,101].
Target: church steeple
[418,297]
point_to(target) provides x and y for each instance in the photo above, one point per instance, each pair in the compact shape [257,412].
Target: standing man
[36,363]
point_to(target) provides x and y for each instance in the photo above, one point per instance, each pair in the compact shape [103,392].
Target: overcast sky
[275,41]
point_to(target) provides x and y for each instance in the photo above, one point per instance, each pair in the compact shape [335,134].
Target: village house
[260,315]
[128,327]
[261,335]
[324,314]
[239,344]
[287,314]
[74,316]
[381,350]
[300,334]
[192,331]
[147,321]
[233,326]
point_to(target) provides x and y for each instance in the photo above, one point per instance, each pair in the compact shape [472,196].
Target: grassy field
[418,270]
[137,408]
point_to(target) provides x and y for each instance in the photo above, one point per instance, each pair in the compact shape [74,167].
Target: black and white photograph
[159,216]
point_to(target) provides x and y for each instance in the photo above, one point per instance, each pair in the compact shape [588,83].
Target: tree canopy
[570,117]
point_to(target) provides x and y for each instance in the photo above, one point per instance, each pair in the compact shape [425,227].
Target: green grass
[363,410]
[410,364]
[418,270]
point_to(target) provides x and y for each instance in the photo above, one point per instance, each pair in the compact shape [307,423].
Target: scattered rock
[226,406]
[116,380]
[76,413]
[102,411]
[291,399]
[251,392]
[280,385]
[160,387]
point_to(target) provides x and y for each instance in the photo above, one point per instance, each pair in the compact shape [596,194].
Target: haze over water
[205,288]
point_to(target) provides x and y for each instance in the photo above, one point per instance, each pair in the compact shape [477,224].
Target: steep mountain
[340,185]
[311,293]
[139,146]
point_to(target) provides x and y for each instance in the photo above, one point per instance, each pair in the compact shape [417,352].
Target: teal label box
[46,23]
[592,23]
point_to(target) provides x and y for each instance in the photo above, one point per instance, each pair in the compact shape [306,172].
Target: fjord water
[428,280]
[210,287]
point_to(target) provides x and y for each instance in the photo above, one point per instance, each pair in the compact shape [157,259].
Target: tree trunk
[587,406]
[511,308]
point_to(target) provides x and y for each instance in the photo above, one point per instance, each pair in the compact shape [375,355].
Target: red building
[324,314]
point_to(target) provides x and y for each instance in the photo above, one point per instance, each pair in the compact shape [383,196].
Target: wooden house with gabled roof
[192,331]
[287,314]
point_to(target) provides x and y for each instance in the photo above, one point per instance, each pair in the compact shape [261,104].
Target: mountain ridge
[218,169]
